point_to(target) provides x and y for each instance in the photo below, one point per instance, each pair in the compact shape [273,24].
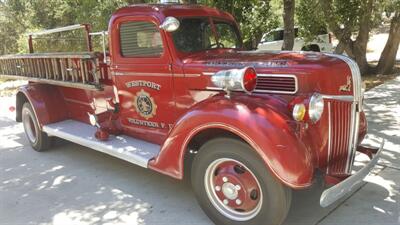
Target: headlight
[316,107]
[299,112]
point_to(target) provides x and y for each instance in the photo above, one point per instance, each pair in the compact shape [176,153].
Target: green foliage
[346,14]
[310,22]
[255,17]
[18,17]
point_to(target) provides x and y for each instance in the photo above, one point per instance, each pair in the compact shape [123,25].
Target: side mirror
[170,24]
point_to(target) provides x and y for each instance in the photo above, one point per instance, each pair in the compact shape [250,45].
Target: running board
[126,148]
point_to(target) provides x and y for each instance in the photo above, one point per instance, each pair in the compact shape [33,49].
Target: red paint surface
[290,150]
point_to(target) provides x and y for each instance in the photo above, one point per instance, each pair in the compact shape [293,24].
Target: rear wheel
[37,138]
[233,185]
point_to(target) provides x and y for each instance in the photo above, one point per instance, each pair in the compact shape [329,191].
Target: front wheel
[233,185]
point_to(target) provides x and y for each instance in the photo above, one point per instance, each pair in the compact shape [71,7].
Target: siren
[236,79]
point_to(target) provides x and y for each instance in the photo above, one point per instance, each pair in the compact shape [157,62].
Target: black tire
[275,198]
[39,140]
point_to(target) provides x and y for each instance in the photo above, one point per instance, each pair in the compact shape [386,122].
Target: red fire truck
[175,92]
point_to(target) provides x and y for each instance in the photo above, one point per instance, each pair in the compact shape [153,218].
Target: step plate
[127,148]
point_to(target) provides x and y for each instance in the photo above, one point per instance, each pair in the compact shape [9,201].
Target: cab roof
[177,10]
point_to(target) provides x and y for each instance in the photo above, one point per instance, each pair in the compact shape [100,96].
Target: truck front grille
[276,83]
[344,121]
[339,136]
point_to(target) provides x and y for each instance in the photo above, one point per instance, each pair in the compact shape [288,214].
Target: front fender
[46,100]
[263,127]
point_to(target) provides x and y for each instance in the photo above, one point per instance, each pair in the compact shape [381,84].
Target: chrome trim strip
[155,74]
[329,135]
[191,75]
[214,89]
[338,191]
[280,92]
[346,98]
[351,139]
[208,73]
[142,74]
[356,132]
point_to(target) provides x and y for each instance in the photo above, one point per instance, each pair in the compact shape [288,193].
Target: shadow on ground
[383,110]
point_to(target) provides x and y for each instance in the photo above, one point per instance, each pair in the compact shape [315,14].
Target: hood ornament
[346,87]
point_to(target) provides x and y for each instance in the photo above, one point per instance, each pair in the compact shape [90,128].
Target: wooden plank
[2,67]
[85,69]
[14,62]
[21,67]
[46,61]
[24,68]
[5,66]
[72,70]
[83,55]
[34,71]
[62,67]
[51,74]
[94,72]
[46,69]
[68,70]
[56,69]
[42,68]
[8,67]
[82,71]
[75,71]
[38,70]
[10,63]
[57,82]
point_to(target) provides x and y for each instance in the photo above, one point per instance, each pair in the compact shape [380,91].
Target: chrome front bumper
[353,182]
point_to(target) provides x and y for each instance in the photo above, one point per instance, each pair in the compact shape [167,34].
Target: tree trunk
[361,42]
[388,56]
[288,19]
[355,49]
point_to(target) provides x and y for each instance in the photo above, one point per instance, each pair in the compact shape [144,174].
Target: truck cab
[177,93]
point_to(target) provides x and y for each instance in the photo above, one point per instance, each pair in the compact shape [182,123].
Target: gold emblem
[346,87]
[145,105]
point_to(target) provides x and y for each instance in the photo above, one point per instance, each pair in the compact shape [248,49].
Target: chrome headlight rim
[316,107]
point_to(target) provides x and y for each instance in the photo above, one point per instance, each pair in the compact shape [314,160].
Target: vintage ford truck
[175,92]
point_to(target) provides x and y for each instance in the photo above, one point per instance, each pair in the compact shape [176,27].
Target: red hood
[258,59]
[314,70]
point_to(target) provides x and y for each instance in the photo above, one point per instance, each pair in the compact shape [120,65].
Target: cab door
[143,77]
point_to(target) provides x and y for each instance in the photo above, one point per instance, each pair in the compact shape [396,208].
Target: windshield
[196,34]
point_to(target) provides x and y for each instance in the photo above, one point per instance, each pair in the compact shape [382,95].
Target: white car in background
[273,40]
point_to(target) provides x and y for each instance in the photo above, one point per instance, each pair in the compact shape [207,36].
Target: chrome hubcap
[230,191]
[233,189]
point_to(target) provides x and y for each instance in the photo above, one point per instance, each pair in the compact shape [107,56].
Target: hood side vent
[276,83]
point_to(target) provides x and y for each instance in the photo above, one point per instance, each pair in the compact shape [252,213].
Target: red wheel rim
[233,189]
